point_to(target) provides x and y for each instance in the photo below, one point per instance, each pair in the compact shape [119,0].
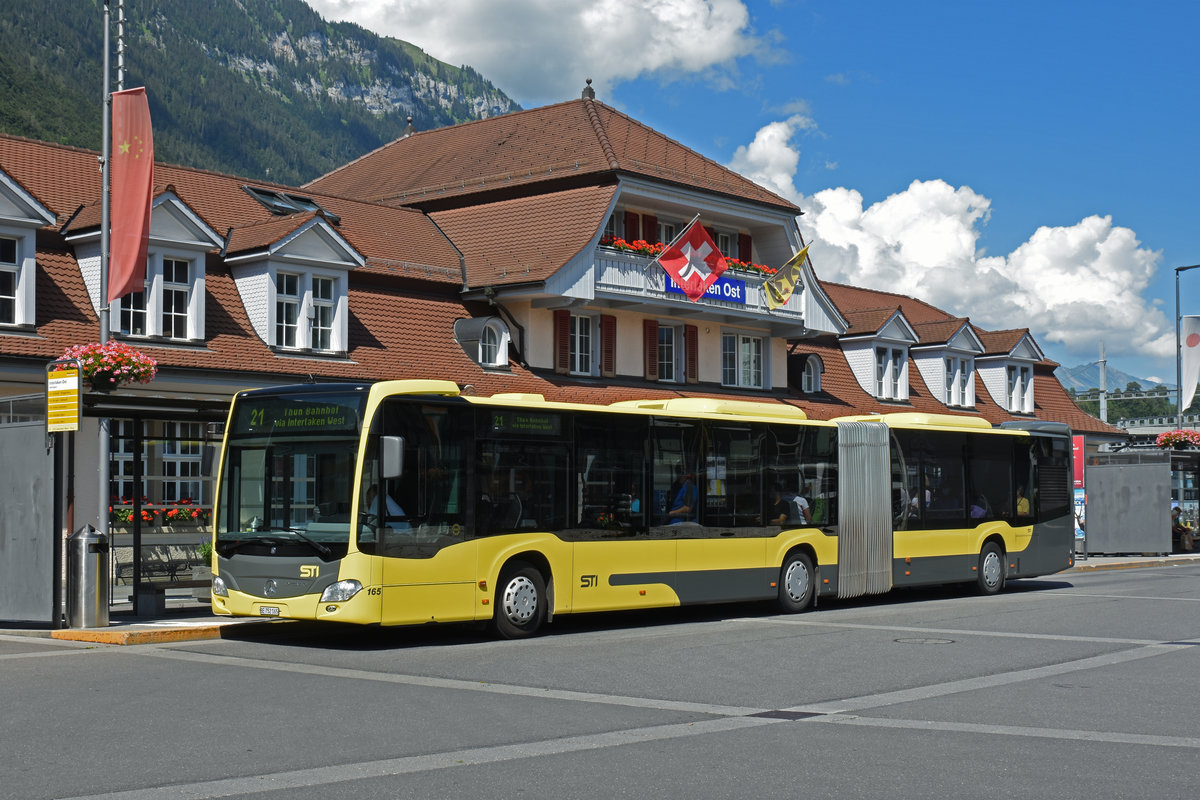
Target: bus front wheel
[795,583]
[520,602]
[991,569]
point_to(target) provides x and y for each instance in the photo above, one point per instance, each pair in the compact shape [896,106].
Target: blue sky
[1024,164]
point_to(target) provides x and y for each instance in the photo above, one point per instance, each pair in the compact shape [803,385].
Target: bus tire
[796,583]
[991,569]
[520,602]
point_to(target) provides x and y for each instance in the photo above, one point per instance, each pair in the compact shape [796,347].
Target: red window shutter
[650,228]
[650,345]
[633,226]
[691,350]
[562,341]
[608,346]
[712,233]
[744,247]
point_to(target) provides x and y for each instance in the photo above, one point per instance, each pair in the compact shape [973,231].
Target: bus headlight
[341,591]
[218,587]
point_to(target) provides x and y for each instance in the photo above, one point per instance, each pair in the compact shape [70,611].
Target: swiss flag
[132,190]
[693,261]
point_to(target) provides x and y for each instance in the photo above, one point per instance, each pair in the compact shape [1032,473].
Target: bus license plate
[268,611]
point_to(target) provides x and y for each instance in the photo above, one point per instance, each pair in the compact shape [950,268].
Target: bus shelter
[160,495]
[1130,494]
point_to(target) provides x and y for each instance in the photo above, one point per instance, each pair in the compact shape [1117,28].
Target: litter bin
[87,579]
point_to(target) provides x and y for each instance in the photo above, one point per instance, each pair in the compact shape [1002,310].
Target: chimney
[409,130]
[588,92]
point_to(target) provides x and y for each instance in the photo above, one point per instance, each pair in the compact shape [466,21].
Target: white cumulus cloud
[1073,286]
[540,51]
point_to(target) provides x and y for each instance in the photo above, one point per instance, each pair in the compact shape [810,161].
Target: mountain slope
[261,88]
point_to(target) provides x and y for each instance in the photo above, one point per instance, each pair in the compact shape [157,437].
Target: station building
[506,255]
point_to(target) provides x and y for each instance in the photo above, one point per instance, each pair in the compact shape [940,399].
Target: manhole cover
[923,640]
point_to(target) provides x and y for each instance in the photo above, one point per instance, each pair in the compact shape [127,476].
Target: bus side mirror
[391,456]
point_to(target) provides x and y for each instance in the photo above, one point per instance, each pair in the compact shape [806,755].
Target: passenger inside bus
[683,506]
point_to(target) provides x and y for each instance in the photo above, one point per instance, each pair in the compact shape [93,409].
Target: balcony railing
[622,273]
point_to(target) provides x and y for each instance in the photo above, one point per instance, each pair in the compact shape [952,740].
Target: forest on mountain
[264,89]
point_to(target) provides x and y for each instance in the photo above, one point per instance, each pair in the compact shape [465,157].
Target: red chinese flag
[693,261]
[132,191]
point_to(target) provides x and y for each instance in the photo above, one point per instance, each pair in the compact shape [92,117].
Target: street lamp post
[1179,351]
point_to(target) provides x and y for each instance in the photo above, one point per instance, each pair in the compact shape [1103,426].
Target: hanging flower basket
[108,365]
[1178,439]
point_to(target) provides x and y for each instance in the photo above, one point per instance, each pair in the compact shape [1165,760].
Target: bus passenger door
[419,518]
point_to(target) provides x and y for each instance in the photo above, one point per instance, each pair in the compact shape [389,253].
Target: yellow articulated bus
[405,502]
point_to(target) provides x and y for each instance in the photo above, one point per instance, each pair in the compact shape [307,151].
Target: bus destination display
[297,415]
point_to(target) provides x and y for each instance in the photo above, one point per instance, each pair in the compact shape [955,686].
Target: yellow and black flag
[779,287]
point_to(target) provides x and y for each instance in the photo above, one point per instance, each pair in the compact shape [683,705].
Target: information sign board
[63,403]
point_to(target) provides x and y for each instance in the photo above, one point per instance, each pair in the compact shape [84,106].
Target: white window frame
[172,289]
[667,231]
[22,268]
[493,344]
[960,379]
[1019,388]
[727,243]
[582,339]
[324,311]
[810,381]
[11,266]
[671,347]
[288,302]
[149,304]
[738,367]
[891,372]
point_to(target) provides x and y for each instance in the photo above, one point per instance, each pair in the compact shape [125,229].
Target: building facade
[512,254]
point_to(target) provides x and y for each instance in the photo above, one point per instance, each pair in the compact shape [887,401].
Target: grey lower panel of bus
[709,586]
[1052,549]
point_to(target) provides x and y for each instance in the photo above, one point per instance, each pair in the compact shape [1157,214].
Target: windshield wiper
[320,548]
[225,548]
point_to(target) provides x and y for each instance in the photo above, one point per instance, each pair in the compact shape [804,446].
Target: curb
[157,633]
[1149,562]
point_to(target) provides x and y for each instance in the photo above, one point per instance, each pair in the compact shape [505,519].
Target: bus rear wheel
[795,583]
[991,569]
[520,601]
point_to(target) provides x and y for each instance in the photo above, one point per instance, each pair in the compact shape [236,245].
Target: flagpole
[102,457]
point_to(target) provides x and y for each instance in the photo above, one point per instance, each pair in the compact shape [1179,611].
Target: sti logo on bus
[589,581]
[309,570]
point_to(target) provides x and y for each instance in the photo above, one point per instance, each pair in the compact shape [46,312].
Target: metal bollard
[87,579]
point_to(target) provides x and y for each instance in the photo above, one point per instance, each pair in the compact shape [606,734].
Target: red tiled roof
[850,298]
[526,238]
[580,139]
[1001,342]
[938,332]
[66,178]
[867,320]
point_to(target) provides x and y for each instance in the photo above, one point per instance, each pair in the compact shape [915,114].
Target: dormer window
[960,381]
[810,381]
[484,339]
[20,217]
[307,306]
[891,373]
[1020,389]
[9,271]
[171,301]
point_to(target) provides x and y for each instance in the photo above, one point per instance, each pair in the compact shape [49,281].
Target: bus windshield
[287,480]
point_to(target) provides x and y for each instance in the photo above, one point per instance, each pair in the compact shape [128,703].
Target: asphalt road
[1083,685]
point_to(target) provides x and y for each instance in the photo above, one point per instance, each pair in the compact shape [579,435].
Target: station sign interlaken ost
[63,397]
